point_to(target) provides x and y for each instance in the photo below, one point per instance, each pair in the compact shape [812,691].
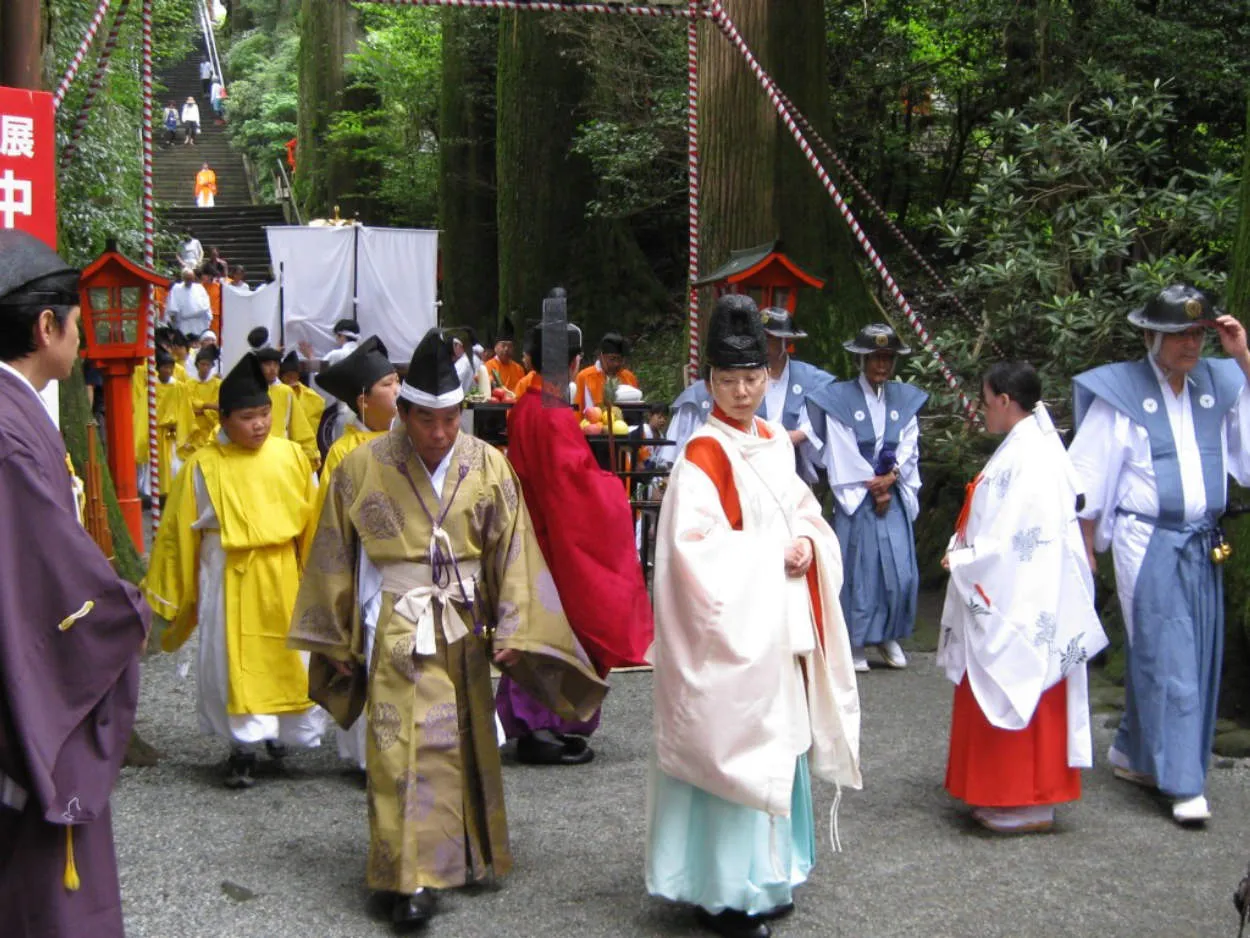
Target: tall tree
[756,184]
[543,186]
[467,212]
[1239,265]
[548,234]
[324,172]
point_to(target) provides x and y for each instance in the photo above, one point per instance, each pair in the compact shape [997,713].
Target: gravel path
[286,859]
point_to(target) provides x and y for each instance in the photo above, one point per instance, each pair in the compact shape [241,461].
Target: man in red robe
[585,528]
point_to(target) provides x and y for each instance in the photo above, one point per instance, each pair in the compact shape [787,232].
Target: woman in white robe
[1019,621]
[754,687]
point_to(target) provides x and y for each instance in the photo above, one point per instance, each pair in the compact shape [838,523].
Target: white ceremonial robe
[734,635]
[1019,614]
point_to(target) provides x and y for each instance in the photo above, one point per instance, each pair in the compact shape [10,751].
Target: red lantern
[115,296]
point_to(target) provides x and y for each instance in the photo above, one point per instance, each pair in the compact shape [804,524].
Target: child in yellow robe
[200,398]
[227,558]
[289,418]
[309,400]
[169,420]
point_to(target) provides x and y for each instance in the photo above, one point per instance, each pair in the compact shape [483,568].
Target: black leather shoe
[381,905]
[239,770]
[546,748]
[413,912]
[277,751]
[733,924]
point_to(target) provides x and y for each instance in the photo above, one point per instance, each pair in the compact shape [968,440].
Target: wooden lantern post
[114,296]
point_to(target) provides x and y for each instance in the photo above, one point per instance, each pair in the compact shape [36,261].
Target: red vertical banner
[28,163]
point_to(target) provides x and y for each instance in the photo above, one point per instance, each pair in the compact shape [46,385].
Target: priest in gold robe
[226,559]
[439,514]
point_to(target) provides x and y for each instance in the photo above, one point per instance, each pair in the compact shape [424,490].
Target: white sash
[417,595]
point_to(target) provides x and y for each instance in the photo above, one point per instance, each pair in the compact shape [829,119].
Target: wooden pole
[21,44]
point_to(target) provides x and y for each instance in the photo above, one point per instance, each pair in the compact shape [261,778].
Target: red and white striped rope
[76,63]
[149,260]
[692,155]
[97,80]
[541,6]
[873,204]
[726,26]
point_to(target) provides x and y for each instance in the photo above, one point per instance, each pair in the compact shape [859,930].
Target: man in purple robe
[71,632]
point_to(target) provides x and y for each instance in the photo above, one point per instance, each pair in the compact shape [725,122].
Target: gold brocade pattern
[436,808]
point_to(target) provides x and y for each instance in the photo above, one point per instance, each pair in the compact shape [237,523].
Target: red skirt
[993,768]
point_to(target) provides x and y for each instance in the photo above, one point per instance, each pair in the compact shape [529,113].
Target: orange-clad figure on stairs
[205,187]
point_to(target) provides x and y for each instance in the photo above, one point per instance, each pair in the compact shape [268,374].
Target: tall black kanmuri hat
[735,334]
[245,386]
[354,375]
[432,380]
[290,363]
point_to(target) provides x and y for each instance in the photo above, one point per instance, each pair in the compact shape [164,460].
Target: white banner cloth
[315,268]
[396,284]
[394,272]
[241,312]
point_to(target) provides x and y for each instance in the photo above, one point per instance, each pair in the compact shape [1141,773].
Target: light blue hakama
[713,853]
[1172,672]
[881,576]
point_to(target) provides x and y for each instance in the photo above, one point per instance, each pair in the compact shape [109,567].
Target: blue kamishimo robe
[878,551]
[1154,465]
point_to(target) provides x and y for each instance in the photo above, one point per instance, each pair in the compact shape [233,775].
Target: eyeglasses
[750,381]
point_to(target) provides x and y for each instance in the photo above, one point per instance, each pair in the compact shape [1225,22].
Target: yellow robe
[291,423]
[263,501]
[203,426]
[436,807]
[353,435]
[312,402]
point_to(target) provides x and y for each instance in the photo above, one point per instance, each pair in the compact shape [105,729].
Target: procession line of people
[381,595]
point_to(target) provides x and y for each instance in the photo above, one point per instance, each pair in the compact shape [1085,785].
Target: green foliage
[262,71]
[99,196]
[396,74]
[634,131]
[1079,213]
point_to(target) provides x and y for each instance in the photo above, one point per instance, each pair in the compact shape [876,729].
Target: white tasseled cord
[834,839]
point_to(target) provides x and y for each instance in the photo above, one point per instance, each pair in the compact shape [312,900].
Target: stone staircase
[237,230]
[234,225]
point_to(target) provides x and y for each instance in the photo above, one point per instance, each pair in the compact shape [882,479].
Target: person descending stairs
[234,224]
